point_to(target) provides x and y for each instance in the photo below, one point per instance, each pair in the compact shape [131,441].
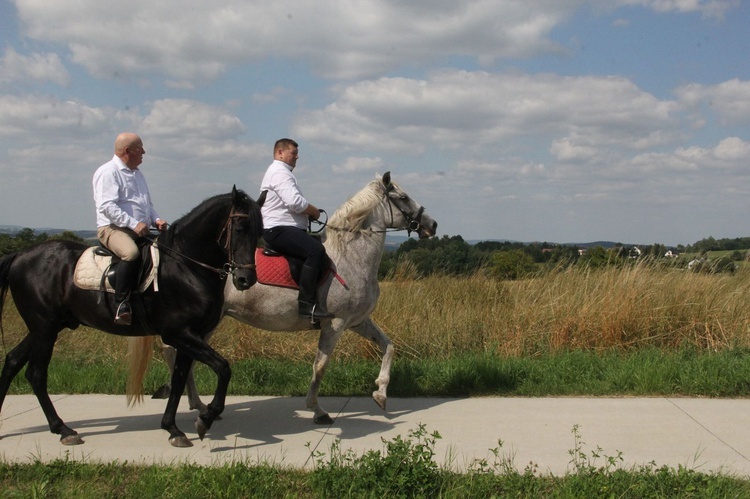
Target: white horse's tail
[140,351]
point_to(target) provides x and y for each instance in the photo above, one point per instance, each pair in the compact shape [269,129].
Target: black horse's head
[221,234]
[242,233]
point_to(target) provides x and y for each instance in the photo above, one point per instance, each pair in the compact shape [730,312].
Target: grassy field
[500,337]
[640,330]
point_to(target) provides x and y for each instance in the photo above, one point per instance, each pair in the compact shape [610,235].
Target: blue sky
[576,121]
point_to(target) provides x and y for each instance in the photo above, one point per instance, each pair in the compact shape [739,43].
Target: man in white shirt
[285,216]
[124,213]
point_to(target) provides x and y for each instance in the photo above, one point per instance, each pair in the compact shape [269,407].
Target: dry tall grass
[621,308]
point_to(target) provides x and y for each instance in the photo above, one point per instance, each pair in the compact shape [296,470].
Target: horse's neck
[361,251]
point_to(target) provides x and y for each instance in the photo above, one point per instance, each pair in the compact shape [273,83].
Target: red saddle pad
[273,270]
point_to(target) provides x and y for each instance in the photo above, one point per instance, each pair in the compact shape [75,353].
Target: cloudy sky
[530,120]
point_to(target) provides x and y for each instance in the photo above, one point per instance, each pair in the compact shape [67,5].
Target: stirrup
[315,316]
[124,316]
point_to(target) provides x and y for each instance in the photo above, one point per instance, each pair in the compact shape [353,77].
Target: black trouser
[298,243]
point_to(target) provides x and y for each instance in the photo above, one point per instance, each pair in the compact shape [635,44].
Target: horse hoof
[324,419]
[181,441]
[71,440]
[380,399]
[201,427]
[161,393]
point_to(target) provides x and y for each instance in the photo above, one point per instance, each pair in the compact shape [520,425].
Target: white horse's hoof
[380,399]
[201,427]
[323,419]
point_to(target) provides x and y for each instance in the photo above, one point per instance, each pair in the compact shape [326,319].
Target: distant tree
[513,264]
[68,235]
[596,257]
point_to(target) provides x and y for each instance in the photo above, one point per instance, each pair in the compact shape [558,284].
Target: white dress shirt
[121,196]
[284,202]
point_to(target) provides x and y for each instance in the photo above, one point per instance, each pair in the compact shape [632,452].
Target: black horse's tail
[5,264]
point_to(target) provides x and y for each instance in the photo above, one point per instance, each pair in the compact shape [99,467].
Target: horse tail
[5,265]
[140,351]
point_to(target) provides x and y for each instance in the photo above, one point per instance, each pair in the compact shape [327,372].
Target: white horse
[354,239]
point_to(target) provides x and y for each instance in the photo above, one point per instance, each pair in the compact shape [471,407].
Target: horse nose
[245,282]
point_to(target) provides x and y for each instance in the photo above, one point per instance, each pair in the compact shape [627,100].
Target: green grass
[643,372]
[403,468]
[626,331]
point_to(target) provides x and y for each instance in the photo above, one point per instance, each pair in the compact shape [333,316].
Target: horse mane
[196,214]
[352,215]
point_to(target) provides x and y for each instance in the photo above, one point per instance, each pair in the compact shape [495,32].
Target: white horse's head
[406,213]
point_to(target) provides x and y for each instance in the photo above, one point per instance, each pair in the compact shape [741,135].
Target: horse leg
[194,399]
[36,373]
[169,355]
[369,330]
[329,336]
[181,367]
[14,362]
[193,347]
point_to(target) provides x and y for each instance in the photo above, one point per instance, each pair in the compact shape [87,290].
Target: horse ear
[262,198]
[234,193]
[387,179]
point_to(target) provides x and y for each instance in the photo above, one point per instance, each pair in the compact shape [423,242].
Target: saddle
[95,269]
[276,269]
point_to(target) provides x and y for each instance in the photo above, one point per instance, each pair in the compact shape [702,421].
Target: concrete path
[707,435]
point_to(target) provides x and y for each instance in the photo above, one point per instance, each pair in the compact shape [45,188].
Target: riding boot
[308,304]
[126,275]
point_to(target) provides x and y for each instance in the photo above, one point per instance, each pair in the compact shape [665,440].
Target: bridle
[229,267]
[413,223]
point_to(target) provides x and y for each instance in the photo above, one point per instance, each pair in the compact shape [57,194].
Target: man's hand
[161,225]
[141,229]
[312,211]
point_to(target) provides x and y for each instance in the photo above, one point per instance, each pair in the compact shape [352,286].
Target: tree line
[452,255]
[10,243]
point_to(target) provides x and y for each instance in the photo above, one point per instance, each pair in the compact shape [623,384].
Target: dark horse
[197,252]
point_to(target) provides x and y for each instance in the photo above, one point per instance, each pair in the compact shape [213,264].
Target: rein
[229,267]
[413,223]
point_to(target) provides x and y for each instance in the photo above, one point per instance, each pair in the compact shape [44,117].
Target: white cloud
[48,117]
[15,67]
[566,150]
[733,150]
[729,100]
[454,108]
[708,8]
[197,40]
[189,119]
[359,164]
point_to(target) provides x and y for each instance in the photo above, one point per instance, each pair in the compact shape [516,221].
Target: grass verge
[643,372]
[403,468]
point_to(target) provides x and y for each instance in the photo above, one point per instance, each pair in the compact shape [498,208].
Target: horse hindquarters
[21,273]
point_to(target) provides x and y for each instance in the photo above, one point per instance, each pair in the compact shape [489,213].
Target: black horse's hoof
[71,440]
[181,441]
[323,419]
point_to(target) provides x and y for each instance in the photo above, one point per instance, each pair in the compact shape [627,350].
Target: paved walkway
[707,435]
